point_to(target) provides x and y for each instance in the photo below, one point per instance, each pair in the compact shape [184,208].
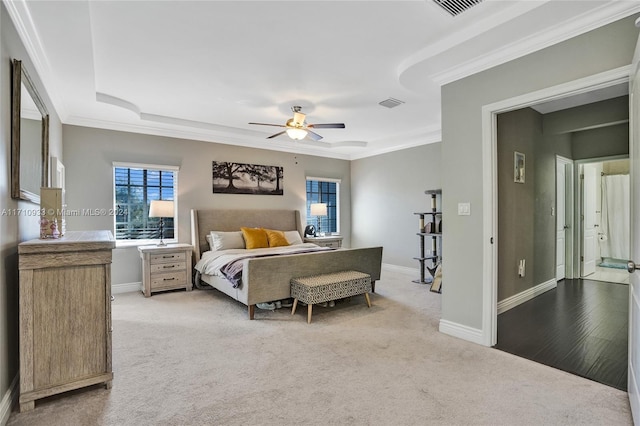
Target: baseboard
[7,401]
[634,395]
[400,269]
[126,288]
[520,298]
[462,331]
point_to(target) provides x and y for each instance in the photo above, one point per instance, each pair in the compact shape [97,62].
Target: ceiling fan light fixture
[296,134]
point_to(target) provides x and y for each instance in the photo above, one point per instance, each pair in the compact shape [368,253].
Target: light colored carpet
[193,358]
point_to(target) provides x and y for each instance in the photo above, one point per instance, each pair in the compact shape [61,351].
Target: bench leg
[252,311]
[366,296]
[295,305]
[309,310]
[373,286]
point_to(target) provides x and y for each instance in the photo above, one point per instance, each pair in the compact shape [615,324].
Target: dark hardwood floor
[579,327]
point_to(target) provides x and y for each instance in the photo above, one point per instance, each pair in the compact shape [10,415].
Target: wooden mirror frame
[20,76]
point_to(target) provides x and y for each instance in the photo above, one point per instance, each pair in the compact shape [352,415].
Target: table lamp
[161,209]
[318,210]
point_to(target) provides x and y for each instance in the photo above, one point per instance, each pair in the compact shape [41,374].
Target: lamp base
[161,244]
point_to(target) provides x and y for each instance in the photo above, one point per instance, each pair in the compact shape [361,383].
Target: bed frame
[268,278]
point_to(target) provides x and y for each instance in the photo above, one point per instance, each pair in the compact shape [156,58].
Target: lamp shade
[318,209]
[161,208]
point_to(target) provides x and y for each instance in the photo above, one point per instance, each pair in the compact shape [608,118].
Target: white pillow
[226,240]
[293,237]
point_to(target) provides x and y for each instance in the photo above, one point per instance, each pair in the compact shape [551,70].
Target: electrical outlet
[464,209]
[521,269]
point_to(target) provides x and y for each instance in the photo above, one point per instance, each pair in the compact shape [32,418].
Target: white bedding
[212,261]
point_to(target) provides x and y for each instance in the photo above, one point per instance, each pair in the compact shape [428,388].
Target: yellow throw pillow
[276,238]
[255,238]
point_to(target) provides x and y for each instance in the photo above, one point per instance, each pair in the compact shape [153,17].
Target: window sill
[137,243]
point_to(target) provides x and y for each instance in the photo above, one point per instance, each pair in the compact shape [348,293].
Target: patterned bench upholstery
[325,287]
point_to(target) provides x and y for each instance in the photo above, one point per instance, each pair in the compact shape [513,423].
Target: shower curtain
[614,238]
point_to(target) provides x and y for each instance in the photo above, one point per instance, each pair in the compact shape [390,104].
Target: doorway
[605,194]
[577,324]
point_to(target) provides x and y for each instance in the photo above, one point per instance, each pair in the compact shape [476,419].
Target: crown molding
[584,23]
[195,134]
[423,138]
[468,33]
[23,22]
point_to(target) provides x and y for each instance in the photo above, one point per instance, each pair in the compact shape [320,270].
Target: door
[561,226]
[560,221]
[634,287]
[589,226]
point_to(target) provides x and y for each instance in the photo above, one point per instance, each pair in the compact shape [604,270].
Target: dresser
[166,267]
[65,314]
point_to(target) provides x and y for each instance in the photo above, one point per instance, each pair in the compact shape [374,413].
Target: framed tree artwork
[241,178]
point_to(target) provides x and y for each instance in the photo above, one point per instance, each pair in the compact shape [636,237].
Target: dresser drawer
[167,257]
[170,280]
[167,267]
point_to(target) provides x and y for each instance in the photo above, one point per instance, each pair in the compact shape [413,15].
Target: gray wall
[14,228]
[600,50]
[526,226]
[597,114]
[602,142]
[90,153]
[385,192]
[517,131]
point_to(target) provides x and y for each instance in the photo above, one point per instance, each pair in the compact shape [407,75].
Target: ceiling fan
[297,128]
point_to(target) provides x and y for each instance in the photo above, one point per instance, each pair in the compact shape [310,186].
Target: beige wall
[14,227]
[90,153]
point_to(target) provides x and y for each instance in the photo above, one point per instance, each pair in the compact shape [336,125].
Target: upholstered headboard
[207,220]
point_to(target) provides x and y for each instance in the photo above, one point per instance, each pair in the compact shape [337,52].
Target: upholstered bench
[325,287]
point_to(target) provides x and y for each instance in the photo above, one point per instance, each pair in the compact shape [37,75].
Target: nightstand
[334,241]
[166,268]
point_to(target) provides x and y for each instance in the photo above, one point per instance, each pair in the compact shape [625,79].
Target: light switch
[464,209]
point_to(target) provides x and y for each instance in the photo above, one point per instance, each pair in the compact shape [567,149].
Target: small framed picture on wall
[518,167]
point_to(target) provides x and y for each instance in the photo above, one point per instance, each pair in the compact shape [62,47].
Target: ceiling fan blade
[277,134]
[313,135]
[267,124]
[327,126]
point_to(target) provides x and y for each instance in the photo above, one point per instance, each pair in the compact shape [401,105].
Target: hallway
[579,327]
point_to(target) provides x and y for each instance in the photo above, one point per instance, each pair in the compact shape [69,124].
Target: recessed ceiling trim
[23,22]
[584,23]
[193,134]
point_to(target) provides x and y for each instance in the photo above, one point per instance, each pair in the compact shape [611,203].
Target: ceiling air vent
[456,7]
[391,103]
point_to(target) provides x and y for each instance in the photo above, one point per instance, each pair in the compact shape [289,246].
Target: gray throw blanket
[233,270]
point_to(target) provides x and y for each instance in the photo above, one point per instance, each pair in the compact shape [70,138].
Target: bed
[267,278]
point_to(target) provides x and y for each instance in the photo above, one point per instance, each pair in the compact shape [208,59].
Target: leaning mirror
[29,138]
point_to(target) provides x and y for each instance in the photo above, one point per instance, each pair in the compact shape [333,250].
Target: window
[135,186]
[324,190]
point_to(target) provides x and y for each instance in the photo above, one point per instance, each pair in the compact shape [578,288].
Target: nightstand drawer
[167,257]
[171,280]
[332,244]
[167,267]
